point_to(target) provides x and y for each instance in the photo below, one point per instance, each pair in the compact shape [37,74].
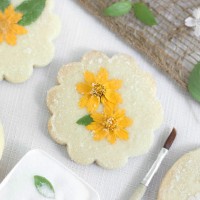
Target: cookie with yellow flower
[26,37]
[104,110]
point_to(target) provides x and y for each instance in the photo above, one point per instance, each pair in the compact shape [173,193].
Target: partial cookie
[114,100]
[182,182]
[1,141]
[27,28]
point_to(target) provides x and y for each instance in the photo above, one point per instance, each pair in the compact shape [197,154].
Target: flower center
[98,89]
[110,124]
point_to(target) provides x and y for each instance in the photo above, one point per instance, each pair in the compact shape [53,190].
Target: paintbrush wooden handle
[139,192]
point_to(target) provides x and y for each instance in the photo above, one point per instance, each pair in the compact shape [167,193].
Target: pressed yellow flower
[9,26]
[111,124]
[98,89]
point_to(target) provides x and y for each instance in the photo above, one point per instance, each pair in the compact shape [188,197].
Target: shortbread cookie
[104,110]
[1,140]
[182,182]
[27,28]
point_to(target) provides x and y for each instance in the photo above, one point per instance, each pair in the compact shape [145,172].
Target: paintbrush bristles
[170,139]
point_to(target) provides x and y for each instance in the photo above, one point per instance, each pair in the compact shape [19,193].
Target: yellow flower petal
[14,17]
[89,77]
[119,114]
[102,76]
[103,100]
[9,26]
[11,39]
[1,15]
[108,111]
[99,135]
[113,84]
[122,134]
[113,97]
[83,88]
[98,117]
[17,29]
[11,15]
[125,122]
[1,38]
[93,103]
[94,126]
[9,11]
[106,103]
[83,101]
[111,138]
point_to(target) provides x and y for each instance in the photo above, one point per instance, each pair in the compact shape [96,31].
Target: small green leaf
[44,187]
[143,14]
[194,82]
[85,120]
[31,10]
[4,4]
[118,9]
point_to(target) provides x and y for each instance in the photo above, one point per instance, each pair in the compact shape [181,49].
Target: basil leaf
[143,14]
[4,4]
[118,9]
[85,120]
[44,187]
[194,82]
[31,10]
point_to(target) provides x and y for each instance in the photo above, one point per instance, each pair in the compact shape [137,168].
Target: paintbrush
[141,189]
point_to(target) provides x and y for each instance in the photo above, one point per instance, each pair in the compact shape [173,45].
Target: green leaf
[85,120]
[44,187]
[118,9]
[31,10]
[4,4]
[143,13]
[194,82]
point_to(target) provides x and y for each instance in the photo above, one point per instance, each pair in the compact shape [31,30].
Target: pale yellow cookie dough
[1,141]
[34,49]
[182,182]
[138,92]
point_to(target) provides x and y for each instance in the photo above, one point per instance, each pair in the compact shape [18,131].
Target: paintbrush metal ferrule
[147,179]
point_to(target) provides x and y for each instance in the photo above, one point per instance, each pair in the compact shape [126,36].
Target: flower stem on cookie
[9,26]
[98,89]
[111,124]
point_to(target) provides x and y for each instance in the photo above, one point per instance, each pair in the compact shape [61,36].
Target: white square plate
[19,183]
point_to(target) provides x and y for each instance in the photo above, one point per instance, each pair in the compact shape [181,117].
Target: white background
[24,113]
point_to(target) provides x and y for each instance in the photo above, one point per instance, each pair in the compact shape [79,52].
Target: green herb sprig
[44,187]
[141,11]
[85,120]
[31,10]
[194,82]
[4,4]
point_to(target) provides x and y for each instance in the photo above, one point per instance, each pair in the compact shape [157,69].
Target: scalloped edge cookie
[34,49]
[182,180]
[81,147]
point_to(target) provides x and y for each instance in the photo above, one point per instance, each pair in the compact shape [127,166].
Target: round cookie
[27,28]
[182,181]
[134,92]
[1,141]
